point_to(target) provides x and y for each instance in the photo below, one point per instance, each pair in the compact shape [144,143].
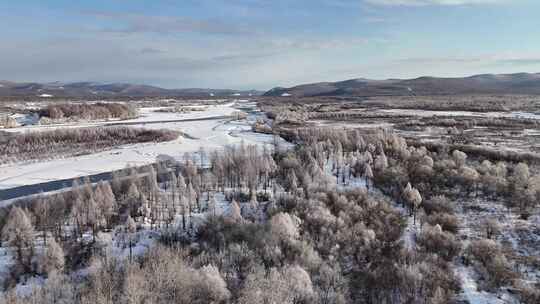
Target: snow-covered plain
[210,134]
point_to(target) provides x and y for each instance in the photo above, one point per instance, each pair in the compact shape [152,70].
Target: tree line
[89,111]
[58,143]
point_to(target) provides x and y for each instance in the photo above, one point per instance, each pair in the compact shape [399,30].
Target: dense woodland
[58,143]
[326,222]
[474,103]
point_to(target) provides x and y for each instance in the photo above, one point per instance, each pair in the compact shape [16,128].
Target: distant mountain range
[92,89]
[522,83]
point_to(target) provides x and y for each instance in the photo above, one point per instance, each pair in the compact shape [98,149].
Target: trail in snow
[470,288]
[410,232]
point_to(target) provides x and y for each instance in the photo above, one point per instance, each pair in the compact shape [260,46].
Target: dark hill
[522,83]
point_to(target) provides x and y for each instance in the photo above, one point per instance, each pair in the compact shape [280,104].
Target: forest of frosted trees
[89,111]
[325,222]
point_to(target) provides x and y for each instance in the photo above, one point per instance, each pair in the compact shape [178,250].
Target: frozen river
[203,131]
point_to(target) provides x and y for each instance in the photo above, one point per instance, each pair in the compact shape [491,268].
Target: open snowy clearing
[210,134]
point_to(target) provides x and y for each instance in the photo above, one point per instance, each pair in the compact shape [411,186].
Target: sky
[260,44]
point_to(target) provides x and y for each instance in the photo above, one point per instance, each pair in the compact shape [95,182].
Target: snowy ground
[6,261]
[520,238]
[471,294]
[210,134]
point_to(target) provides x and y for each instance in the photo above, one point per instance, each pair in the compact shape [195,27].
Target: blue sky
[264,43]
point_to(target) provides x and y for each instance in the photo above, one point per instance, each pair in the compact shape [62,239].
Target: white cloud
[138,23]
[501,59]
[431,2]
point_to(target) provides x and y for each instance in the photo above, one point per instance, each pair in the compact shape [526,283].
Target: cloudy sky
[264,43]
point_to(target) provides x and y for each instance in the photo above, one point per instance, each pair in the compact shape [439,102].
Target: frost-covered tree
[469,177]
[42,214]
[18,233]
[381,162]
[292,181]
[434,240]
[412,198]
[337,162]
[191,197]
[330,284]
[519,186]
[106,202]
[149,184]
[268,167]
[56,289]
[300,284]
[533,194]
[521,175]
[212,205]
[130,228]
[368,174]
[486,167]
[181,184]
[52,258]
[427,161]
[491,262]
[289,285]
[135,284]
[93,217]
[415,200]
[406,193]
[459,157]
[284,226]
[183,210]
[132,200]
[211,288]
[234,213]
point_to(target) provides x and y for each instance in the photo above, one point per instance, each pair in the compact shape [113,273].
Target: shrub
[438,204]
[491,262]
[433,239]
[448,222]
